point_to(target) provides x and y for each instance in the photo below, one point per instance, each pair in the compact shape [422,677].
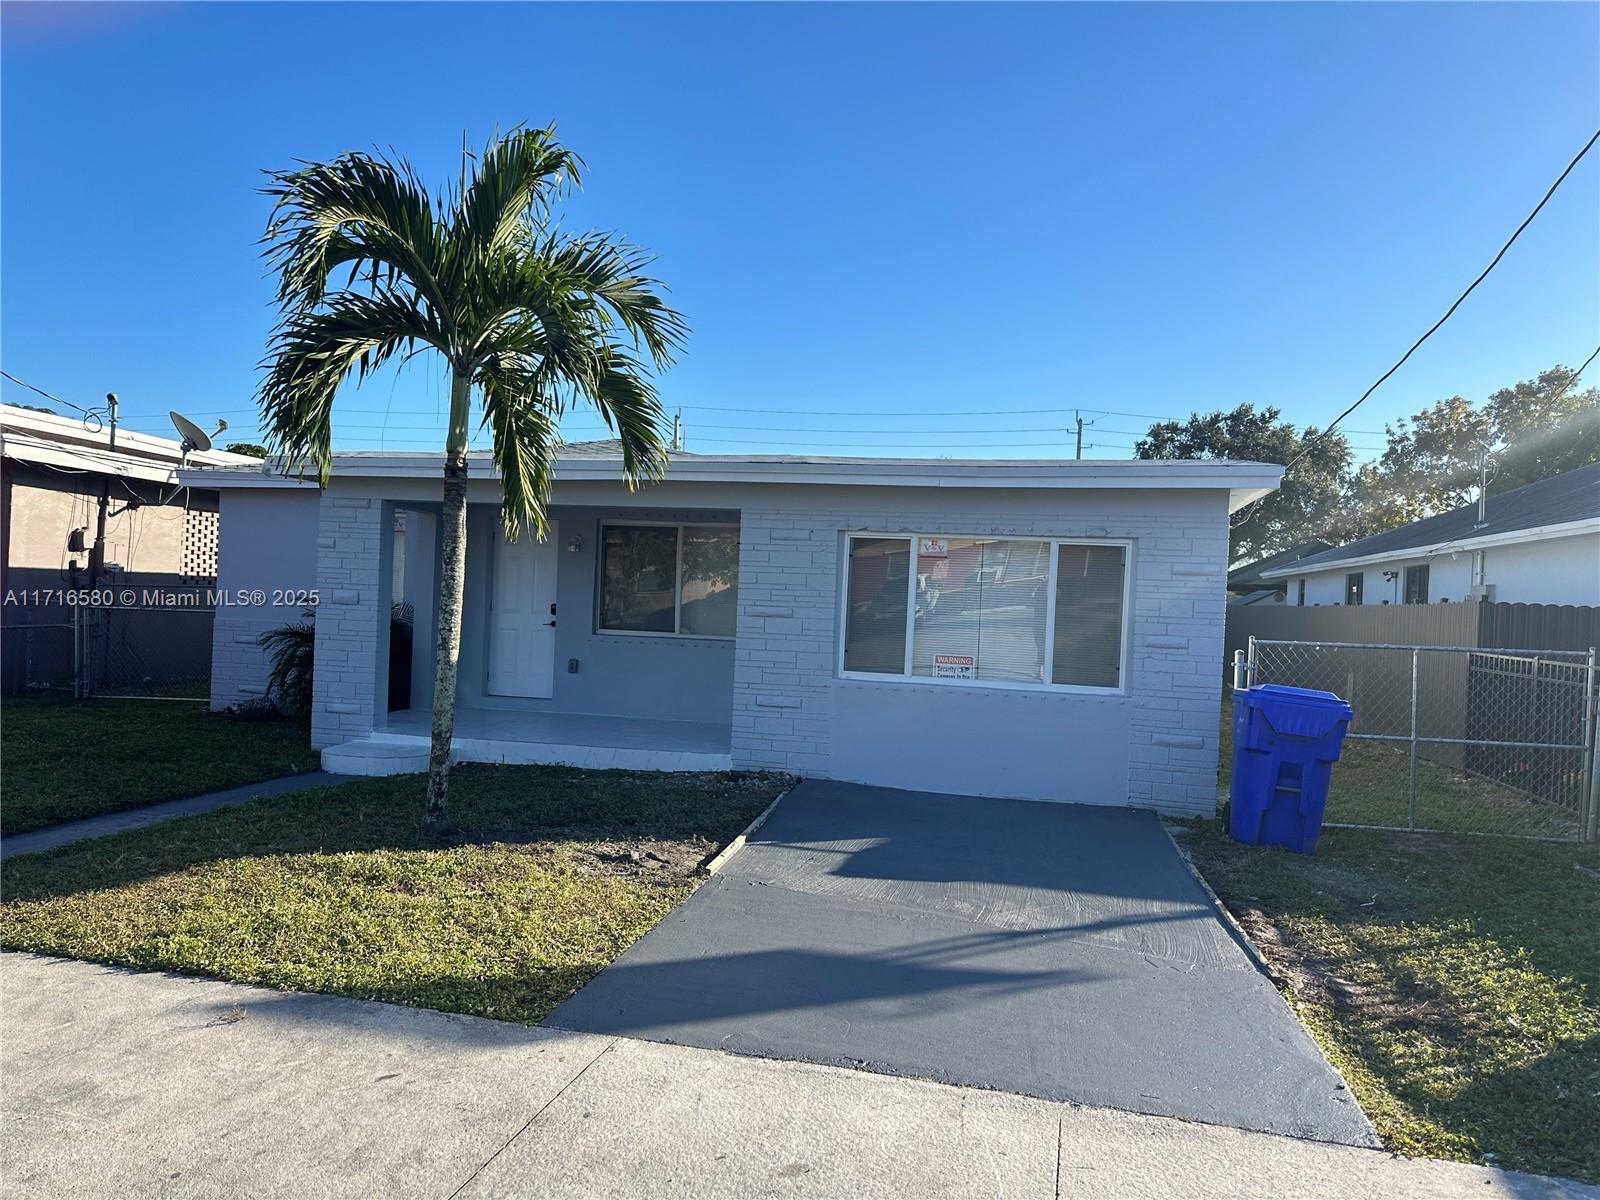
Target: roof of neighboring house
[1556,507]
[1243,481]
[1249,576]
[66,443]
[605,448]
[1267,596]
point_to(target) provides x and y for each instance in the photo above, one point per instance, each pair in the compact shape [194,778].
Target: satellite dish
[194,438]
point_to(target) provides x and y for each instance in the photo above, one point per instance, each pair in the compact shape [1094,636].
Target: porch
[564,739]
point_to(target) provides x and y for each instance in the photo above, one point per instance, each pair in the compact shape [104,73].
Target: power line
[45,394]
[1528,220]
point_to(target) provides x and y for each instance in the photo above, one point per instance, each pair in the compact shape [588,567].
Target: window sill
[955,687]
[641,635]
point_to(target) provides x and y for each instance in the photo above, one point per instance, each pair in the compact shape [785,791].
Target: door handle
[550,623]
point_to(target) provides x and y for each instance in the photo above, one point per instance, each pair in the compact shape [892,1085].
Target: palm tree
[532,319]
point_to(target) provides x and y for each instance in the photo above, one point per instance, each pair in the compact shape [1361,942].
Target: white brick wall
[786,697]
[355,549]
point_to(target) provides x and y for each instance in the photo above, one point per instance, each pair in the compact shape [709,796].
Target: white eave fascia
[103,461]
[1244,481]
[67,443]
[263,475]
[1510,537]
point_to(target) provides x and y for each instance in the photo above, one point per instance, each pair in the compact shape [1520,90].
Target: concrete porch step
[366,756]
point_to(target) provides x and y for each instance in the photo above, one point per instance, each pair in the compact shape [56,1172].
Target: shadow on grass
[514,805]
[1457,979]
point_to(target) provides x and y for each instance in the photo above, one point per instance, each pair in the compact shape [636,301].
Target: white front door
[522,616]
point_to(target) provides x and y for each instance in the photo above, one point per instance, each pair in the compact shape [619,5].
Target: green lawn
[61,760]
[1454,980]
[553,873]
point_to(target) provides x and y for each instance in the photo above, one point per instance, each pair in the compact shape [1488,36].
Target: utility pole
[97,555]
[677,430]
[1079,453]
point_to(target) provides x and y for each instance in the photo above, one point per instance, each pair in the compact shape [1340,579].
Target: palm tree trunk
[452,581]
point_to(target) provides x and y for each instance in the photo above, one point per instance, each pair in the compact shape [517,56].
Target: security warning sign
[954,666]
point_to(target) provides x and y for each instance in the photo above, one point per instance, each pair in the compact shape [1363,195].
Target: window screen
[710,581]
[875,612]
[669,579]
[980,609]
[1088,624]
[639,572]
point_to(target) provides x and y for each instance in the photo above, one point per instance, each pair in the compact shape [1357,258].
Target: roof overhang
[1509,537]
[1243,481]
[64,443]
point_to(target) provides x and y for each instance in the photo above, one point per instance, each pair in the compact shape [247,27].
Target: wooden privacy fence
[1470,624]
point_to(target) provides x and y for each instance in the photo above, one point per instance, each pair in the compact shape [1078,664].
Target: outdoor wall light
[574,544]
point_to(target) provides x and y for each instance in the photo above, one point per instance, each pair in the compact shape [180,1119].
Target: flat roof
[67,443]
[1244,481]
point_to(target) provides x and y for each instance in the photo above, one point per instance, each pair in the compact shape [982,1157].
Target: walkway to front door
[1059,951]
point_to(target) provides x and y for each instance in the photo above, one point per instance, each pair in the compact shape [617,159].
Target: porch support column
[355,557]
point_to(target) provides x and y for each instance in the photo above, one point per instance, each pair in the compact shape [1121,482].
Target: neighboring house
[1045,630]
[1246,586]
[1537,544]
[56,474]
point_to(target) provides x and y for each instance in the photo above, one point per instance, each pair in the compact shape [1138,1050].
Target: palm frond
[524,421]
[513,181]
[359,211]
[612,276]
[313,352]
[627,400]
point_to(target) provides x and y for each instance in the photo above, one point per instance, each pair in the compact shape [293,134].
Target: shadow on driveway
[1058,951]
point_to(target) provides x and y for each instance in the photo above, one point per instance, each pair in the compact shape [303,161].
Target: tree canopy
[1308,505]
[1535,429]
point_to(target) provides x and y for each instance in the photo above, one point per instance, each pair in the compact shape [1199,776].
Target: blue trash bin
[1285,742]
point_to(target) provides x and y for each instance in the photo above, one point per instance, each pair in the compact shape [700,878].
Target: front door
[522,616]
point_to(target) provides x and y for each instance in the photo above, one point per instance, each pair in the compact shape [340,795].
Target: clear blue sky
[876,218]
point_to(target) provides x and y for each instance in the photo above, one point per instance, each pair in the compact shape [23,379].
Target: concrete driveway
[1057,951]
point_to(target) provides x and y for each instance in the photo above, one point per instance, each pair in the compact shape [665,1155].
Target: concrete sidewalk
[151,814]
[124,1084]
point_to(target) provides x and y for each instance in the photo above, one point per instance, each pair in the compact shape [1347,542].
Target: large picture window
[669,580]
[994,610]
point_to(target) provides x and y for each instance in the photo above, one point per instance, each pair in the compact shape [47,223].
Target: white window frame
[1055,544]
[677,585]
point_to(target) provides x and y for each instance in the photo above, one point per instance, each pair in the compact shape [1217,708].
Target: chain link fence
[114,652]
[1453,739]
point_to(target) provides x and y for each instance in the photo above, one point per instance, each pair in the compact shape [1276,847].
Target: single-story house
[1246,585]
[1536,544]
[1042,630]
[62,479]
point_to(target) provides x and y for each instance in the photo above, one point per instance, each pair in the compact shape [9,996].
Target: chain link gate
[1453,738]
[143,653]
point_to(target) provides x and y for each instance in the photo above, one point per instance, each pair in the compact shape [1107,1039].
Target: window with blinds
[1088,624]
[976,610]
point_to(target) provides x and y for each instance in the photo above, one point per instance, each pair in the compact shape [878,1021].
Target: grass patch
[553,873]
[1454,980]
[64,760]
